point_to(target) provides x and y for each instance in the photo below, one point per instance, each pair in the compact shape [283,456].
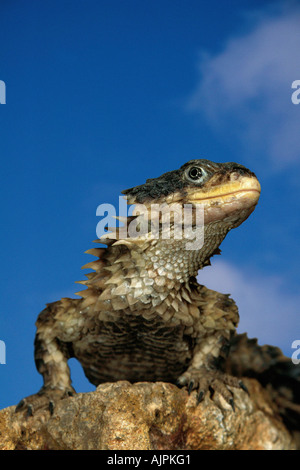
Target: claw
[243,387]
[191,386]
[200,396]
[19,405]
[29,411]
[51,407]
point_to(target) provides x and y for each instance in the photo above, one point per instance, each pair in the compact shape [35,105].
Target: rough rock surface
[158,416]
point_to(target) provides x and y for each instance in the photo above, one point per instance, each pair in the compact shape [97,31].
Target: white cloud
[267,311]
[245,90]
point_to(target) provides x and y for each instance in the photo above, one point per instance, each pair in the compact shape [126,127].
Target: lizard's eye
[195,174]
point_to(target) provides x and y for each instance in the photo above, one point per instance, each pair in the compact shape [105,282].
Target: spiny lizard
[143,316]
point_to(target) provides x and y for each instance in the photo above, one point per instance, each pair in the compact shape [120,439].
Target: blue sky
[101,96]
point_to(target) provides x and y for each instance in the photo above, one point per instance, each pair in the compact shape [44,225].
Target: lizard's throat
[178,260]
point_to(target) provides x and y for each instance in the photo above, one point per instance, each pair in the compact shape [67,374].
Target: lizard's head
[228,192]
[224,193]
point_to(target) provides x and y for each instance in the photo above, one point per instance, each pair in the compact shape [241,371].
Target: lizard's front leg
[217,322]
[52,351]
[203,373]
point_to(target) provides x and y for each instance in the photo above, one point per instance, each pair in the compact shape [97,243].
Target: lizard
[142,315]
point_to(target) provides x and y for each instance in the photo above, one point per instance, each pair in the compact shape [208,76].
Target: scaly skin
[143,316]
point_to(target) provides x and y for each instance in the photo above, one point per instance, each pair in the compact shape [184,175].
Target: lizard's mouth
[231,199]
[244,187]
[241,192]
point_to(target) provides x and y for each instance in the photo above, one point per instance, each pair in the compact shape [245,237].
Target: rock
[154,416]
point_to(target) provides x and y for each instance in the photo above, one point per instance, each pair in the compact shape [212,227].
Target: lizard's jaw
[235,199]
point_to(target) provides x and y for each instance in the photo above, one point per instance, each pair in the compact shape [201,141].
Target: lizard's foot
[203,380]
[45,399]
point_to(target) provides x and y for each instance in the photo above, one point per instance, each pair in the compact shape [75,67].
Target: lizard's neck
[172,261]
[149,276]
[179,260]
[151,269]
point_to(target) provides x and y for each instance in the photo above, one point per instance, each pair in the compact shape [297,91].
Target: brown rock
[158,416]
